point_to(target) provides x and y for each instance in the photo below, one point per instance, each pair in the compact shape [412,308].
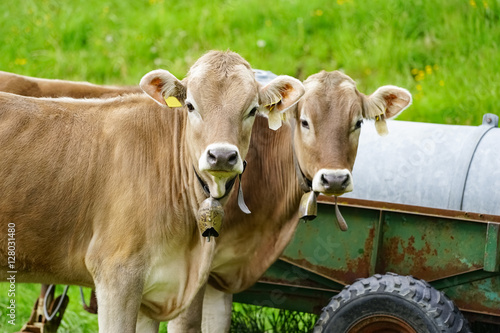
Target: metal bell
[210,215]
[308,209]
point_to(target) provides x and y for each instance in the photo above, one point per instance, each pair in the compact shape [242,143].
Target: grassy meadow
[446,53]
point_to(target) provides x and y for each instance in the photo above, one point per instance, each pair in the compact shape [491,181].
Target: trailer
[424,229]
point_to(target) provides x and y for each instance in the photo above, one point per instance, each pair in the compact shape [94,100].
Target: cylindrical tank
[431,165]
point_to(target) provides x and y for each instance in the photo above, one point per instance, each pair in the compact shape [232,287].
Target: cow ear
[164,88]
[385,103]
[278,96]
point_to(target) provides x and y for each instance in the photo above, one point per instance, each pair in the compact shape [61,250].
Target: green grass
[245,318]
[445,52]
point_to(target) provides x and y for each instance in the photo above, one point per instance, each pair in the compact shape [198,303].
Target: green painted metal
[286,297]
[457,252]
[377,243]
[430,247]
[491,251]
[479,296]
[320,245]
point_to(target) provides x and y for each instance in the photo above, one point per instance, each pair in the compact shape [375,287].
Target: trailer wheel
[391,303]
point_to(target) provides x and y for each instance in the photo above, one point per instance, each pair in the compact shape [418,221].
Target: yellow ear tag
[173,102]
[274,120]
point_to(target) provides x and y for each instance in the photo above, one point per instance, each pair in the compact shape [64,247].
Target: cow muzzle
[223,163]
[332,181]
[221,160]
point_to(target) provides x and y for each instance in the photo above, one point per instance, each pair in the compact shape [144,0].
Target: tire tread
[439,308]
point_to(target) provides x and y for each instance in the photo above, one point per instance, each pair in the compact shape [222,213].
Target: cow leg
[119,301]
[190,319]
[146,324]
[217,306]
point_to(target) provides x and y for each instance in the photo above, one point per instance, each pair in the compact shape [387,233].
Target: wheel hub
[381,324]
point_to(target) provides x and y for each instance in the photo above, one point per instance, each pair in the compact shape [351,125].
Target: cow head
[328,123]
[221,98]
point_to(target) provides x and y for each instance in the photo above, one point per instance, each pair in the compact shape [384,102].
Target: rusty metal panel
[321,247]
[430,248]
[478,296]
[450,249]
[427,247]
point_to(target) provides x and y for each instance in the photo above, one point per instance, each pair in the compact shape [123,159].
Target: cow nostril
[222,159]
[211,158]
[334,181]
[345,182]
[324,181]
[232,158]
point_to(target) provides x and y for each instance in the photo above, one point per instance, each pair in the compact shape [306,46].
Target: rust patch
[401,256]
[474,298]
[353,268]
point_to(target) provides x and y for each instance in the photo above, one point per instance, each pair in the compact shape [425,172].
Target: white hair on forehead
[197,71]
[347,84]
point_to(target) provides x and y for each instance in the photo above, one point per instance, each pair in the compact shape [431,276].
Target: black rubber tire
[410,301]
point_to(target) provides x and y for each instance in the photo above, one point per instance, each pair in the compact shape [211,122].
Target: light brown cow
[104,193]
[37,87]
[326,126]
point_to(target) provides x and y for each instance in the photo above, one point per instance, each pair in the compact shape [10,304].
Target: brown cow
[323,133]
[104,193]
[36,87]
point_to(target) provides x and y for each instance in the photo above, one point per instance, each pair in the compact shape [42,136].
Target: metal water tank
[431,165]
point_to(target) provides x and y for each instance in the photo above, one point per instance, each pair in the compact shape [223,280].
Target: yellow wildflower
[414,71]
[20,61]
[428,69]
[420,76]
[419,87]
[473,3]
[441,83]
[318,12]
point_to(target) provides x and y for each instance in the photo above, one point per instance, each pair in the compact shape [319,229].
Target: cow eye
[304,123]
[189,106]
[358,124]
[253,112]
